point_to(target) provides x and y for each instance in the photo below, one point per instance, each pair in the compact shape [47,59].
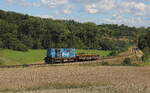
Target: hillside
[10,57]
[23,32]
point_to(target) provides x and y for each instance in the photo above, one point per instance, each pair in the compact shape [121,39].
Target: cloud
[100,6]
[68,9]
[138,0]
[24,3]
[45,16]
[91,8]
[131,12]
[132,21]
[134,8]
[13,1]
[54,3]
[34,4]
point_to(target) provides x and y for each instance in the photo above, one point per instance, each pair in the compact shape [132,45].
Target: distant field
[11,57]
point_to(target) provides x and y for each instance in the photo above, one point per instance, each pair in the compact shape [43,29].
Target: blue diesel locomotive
[61,55]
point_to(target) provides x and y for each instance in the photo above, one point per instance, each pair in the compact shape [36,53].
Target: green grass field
[97,52]
[11,57]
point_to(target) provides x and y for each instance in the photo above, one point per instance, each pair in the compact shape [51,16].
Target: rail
[133,53]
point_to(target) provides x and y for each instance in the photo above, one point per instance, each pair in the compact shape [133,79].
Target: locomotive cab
[58,55]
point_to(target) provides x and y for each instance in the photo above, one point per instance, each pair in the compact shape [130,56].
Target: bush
[113,53]
[1,63]
[13,43]
[1,43]
[104,63]
[20,47]
[118,45]
[25,65]
[145,58]
[127,61]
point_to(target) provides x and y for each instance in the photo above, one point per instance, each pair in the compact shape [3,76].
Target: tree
[144,45]
[1,43]
[19,30]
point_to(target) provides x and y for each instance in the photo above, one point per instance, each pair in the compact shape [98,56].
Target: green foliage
[107,44]
[13,43]
[120,31]
[1,43]
[113,53]
[127,61]
[144,45]
[105,63]
[8,38]
[25,65]
[22,32]
[145,58]
[143,42]
[1,63]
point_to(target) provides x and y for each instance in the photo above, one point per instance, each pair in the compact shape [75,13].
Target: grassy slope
[11,57]
[97,52]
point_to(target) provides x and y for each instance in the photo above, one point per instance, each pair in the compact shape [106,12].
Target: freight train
[62,55]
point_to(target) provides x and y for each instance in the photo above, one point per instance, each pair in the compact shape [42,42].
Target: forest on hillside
[144,45]
[23,32]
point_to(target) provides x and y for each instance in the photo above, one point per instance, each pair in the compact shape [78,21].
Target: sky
[128,12]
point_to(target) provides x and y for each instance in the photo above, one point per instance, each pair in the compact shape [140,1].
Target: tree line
[23,32]
[144,45]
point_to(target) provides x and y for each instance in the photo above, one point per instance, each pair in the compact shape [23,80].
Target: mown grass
[11,57]
[97,52]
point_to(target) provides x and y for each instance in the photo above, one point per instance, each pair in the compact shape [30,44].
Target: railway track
[43,64]
[23,65]
[130,54]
